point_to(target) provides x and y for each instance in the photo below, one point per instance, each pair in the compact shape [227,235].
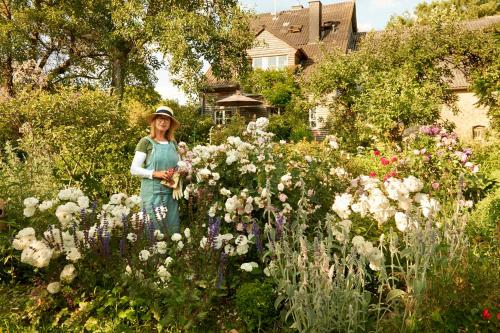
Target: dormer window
[330,25]
[295,28]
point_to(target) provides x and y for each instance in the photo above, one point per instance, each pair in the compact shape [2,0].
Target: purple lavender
[122,247]
[213,230]
[222,268]
[258,240]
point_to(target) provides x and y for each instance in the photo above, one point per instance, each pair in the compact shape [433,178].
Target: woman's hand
[163,174]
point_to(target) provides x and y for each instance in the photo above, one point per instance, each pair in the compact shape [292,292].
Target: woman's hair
[169,135]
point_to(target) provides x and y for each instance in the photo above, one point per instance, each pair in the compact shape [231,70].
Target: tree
[467,9]
[400,78]
[112,43]
[276,86]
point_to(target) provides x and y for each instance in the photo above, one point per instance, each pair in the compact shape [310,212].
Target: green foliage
[113,43]
[220,133]
[86,135]
[397,80]
[457,294]
[467,9]
[277,86]
[255,305]
[194,128]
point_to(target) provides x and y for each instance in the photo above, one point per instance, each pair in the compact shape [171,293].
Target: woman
[155,159]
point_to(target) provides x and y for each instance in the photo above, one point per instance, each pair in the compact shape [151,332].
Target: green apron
[154,194]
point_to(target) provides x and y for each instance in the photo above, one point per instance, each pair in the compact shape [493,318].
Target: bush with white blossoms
[81,233]
[243,184]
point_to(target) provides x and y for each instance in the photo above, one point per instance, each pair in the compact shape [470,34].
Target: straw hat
[163,111]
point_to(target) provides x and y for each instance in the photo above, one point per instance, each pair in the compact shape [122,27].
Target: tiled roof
[339,13]
[482,22]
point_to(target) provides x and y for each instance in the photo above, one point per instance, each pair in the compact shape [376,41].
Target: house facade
[299,37]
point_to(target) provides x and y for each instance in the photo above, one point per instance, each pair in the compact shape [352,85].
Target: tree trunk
[119,61]
[7,74]
[6,70]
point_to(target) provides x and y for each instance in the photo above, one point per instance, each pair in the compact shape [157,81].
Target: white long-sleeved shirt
[136,168]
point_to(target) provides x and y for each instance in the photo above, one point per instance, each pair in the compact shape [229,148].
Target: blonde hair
[169,135]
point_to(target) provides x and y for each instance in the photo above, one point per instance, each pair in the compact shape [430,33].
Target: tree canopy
[118,43]
[401,77]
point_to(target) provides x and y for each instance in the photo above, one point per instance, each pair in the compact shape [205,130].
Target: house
[299,37]
[471,122]
[294,37]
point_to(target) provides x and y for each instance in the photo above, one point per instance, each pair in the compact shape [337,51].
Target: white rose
[401,221]
[68,273]
[83,202]
[54,287]
[161,247]
[176,237]
[30,202]
[72,254]
[45,205]
[132,237]
[242,249]
[168,261]
[203,242]
[29,211]
[144,255]
[187,233]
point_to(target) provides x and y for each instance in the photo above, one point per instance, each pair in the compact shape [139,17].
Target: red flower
[498,316]
[394,159]
[384,161]
[486,314]
[376,152]
[372,174]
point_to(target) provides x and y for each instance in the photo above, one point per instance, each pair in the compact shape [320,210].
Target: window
[282,61]
[222,117]
[274,62]
[478,132]
[312,118]
[257,62]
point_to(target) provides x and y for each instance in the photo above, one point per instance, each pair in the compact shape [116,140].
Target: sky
[370,14]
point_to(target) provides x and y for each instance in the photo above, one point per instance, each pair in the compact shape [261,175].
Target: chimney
[314,21]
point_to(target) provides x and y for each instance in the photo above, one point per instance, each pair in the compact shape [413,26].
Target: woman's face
[162,123]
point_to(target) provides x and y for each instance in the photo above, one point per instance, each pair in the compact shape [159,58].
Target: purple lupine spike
[213,230]
[151,233]
[258,240]
[106,239]
[105,224]
[280,222]
[99,232]
[83,216]
[86,235]
[93,214]
[122,247]
[222,268]
[143,220]
[125,223]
